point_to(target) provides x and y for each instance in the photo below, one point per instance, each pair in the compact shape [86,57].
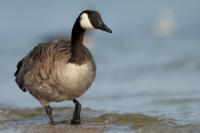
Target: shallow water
[138,71]
[35,120]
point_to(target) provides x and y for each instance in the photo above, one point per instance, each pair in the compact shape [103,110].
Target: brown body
[46,72]
[61,70]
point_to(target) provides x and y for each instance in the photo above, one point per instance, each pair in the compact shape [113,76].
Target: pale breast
[75,79]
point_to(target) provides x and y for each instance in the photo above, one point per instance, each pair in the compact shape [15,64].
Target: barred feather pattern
[38,71]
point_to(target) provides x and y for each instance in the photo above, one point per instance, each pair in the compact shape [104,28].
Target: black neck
[77,41]
[77,36]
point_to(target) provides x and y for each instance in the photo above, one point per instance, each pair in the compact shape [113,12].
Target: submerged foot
[75,121]
[53,123]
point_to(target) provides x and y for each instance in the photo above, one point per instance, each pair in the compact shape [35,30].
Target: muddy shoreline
[36,121]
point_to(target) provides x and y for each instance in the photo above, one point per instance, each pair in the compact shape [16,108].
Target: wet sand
[36,121]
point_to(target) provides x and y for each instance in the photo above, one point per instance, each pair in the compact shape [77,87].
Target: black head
[92,20]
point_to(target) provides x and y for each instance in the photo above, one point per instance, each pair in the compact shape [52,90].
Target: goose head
[89,19]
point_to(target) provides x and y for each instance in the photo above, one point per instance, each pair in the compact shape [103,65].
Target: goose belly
[75,79]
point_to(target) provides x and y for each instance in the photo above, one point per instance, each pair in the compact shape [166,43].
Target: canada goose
[61,70]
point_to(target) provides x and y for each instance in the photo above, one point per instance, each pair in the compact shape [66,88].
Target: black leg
[76,115]
[48,109]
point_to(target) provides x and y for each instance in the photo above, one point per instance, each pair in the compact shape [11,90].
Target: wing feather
[40,62]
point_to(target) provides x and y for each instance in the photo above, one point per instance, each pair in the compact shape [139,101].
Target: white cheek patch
[85,22]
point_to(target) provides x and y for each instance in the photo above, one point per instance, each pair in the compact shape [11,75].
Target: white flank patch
[85,22]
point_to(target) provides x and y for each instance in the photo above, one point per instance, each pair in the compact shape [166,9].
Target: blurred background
[150,63]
